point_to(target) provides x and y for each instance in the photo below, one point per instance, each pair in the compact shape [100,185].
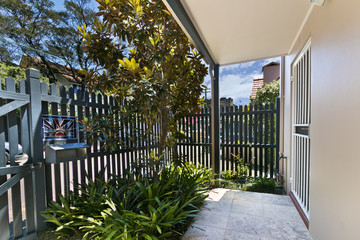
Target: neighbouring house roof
[235,31]
[257,84]
[270,64]
[33,62]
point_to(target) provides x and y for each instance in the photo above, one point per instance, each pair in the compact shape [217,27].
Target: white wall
[335,118]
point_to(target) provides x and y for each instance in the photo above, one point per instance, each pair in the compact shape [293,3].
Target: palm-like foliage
[134,209]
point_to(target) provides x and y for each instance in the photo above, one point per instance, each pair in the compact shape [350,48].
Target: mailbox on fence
[65,152]
[57,130]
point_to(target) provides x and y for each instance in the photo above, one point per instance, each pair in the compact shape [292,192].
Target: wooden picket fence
[63,177]
[22,192]
[248,132]
[26,189]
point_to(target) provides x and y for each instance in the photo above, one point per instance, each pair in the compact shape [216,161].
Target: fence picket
[241,132]
[246,131]
[272,139]
[261,140]
[13,140]
[246,140]
[80,116]
[208,131]
[201,136]
[4,210]
[118,161]
[227,138]
[45,111]
[131,143]
[222,138]
[56,167]
[193,136]
[94,147]
[88,166]
[113,170]
[236,135]
[73,165]
[255,140]
[65,165]
[100,160]
[123,154]
[267,141]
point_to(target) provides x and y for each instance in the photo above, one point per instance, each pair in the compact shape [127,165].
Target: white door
[301,128]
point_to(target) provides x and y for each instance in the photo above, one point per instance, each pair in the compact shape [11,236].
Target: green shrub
[235,178]
[260,184]
[133,208]
[241,170]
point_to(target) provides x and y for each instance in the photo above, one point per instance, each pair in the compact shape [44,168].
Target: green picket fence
[250,132]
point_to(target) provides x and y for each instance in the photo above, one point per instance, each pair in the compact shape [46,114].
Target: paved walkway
[235,215]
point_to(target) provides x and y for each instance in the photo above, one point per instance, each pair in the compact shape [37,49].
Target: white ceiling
[237,31]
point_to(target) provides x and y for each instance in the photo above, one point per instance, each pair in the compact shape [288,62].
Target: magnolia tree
[142,57]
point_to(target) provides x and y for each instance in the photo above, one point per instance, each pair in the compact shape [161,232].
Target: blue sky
[236,80]
[59,4]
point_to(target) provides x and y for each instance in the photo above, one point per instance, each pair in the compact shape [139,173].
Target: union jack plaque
[59,127]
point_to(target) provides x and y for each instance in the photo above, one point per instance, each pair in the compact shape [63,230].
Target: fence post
[33,81]
[215,125]
[277,134]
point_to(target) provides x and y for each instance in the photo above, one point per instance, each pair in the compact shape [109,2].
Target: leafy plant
[262,184]
[240,173]
[268,93]
[8,69]
[132,208]
[142,58]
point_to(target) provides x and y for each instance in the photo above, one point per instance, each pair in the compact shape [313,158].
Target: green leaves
[35,28]
[140,55]
[130,65]
[136,6]
[132,209]
[268,93]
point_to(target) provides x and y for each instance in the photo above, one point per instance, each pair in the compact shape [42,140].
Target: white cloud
[237,86]
[236,80]
[247,64]
[237,67]
[232,67]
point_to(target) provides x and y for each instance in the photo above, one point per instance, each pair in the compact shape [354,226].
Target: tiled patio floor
[235,215]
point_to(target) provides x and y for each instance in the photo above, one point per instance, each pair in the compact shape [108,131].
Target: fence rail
[18,208]
[25,189]
[250,132]
[64,177]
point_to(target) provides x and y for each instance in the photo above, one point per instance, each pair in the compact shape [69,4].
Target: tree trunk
[163,136]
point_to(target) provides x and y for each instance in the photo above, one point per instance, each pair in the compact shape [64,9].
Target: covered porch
[238,31]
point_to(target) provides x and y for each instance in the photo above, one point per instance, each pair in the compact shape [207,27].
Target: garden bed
[131,208]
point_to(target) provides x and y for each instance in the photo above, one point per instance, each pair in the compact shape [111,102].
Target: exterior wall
[335,116]
[271,73]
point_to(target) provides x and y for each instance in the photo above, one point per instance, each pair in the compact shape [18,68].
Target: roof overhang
[235,31]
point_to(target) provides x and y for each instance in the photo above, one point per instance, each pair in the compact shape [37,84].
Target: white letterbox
[65,152]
